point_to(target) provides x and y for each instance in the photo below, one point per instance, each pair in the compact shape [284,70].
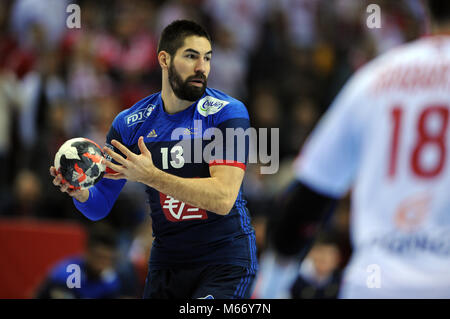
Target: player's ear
[164,59]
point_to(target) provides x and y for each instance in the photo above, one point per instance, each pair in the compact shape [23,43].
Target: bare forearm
[206,193]
[216,193]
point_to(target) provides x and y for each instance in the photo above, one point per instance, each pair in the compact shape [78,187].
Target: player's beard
[183,89]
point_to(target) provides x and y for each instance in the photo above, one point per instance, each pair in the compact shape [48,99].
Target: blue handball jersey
[185,235]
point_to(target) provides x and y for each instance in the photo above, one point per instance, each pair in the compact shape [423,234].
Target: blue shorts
[207,282]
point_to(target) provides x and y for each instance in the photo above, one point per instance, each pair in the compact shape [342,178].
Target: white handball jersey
[386,137]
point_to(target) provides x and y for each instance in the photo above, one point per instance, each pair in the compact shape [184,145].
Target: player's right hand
[80,194]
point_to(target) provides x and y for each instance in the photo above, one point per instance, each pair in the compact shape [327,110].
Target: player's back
[388,134]
[401,219]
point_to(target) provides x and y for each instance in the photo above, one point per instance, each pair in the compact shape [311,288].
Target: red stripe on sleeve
[228,163]
[110,171]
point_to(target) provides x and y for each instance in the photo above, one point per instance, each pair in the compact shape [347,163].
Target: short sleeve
[231,136]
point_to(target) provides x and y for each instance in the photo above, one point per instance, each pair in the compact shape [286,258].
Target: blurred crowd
[286,60]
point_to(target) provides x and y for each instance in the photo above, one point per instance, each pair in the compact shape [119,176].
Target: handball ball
[79,162]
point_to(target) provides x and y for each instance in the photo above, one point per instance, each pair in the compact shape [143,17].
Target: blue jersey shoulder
[214,105]
[221,106]
[128,119]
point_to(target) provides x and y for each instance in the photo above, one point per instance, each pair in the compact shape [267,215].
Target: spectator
[101,276]
[26,199]
[304,115]
[229,65]
[319,276]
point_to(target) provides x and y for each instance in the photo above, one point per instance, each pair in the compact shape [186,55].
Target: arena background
[286,60]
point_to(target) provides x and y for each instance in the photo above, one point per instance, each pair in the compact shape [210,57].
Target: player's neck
[172,104]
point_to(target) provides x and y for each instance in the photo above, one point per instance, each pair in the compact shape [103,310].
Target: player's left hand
[135,167]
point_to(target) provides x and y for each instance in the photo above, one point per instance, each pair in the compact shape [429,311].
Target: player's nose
[201,66]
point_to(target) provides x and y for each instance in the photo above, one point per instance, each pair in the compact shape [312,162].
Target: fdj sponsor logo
[140,116]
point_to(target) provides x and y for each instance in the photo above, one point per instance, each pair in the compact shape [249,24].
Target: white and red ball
[79,162]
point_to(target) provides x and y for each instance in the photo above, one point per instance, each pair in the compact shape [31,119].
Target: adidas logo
[152,134]
[190,131]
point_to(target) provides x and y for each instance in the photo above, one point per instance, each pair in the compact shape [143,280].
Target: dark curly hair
[172,37]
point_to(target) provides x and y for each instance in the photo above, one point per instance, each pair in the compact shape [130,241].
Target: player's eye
[207,58]
[191,56]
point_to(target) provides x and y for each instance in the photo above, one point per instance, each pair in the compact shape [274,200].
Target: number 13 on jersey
[177,151]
